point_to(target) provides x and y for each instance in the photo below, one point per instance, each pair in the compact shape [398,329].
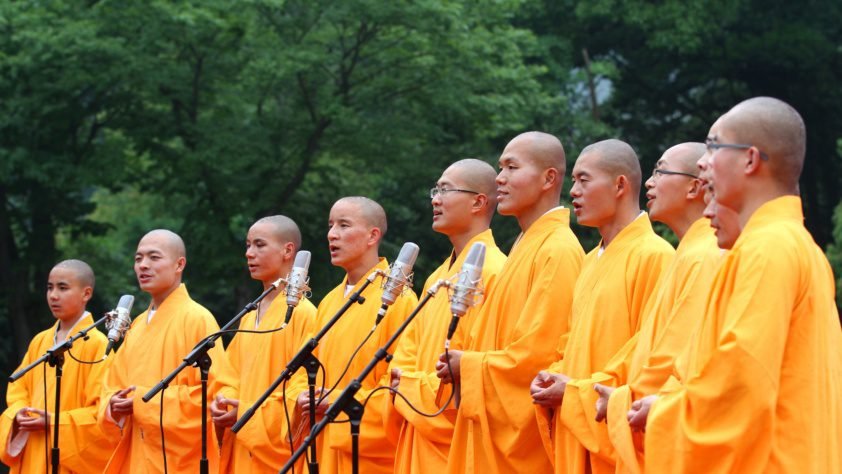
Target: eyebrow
[506,159]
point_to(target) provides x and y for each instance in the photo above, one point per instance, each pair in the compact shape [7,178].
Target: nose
[249,251]
[575,191]
[436,201]
[332,233]
[52,294]
[650,183]
[710,210]
[500,179]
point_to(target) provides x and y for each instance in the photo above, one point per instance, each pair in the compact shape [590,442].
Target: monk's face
[157,266]
[520,179]
[66,295]
[725,222]
[349,235]
[666,190]
[451,208]
[594,192]
[724,165]
[265,252]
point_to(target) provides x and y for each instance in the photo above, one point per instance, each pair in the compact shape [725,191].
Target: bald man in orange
[523,317]
[762,387]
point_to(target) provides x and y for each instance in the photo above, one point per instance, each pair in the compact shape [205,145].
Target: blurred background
[117,117]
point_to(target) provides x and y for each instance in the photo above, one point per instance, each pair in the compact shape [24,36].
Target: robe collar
[559,216]
[637,228]
[775,211]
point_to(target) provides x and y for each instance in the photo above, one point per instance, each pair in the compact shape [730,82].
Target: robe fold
[83,446]
[377,451]
[261,445]
[762,387]
[150,351]
[424,442]
[609,298]
[514,335]
[671,318]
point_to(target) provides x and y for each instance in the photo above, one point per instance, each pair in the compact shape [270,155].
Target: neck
[756,198]
[66,325]
[361,269]
[527,218]
[460,240]
[681,224]
[282,273]
[625,216]
[158,299]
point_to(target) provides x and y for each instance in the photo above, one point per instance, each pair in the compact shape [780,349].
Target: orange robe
[609,298]
[377,451]
[424,442]
[671,318]
[762,387]
[262,446]
[83,446]
[148,354]
[515,335]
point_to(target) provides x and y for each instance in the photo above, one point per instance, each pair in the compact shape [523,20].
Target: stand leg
[312,366]
[354,410]
[55,452]
[204,364]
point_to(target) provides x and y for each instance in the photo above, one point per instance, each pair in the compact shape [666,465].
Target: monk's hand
[122,404]
[224,412]
[547,389]
[604,392]
[31,419]
[443,370]
[395,378]
[639,412]
[303,403]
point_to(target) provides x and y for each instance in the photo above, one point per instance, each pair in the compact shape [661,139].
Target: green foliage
[834,252]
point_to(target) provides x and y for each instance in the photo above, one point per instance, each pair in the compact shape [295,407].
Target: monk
[675,197]
[526,312]
[463,202]
[83,446]
[761,390]
[261,446]
[157,341]
[356,227]
[617,280]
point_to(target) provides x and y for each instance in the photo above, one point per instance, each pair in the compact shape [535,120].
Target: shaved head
[617,158]
[284,229]
[776,129]
[370,211]
[685,156]
[84,273]
[478,176]
[172,241]
[543,149]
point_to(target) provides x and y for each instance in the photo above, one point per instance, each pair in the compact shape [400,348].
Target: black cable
[398,393]
[286,417]
[85,361]
[322,395]
[161,425]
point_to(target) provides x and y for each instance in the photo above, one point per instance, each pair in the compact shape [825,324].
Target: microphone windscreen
[302,259]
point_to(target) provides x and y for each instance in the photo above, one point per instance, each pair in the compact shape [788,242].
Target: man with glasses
[762,387]
[617,281]
[463,201]
[675,197]
[516,331]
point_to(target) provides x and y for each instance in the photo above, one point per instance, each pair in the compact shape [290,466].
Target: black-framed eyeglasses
[661,172]
[712,146]
[437,190]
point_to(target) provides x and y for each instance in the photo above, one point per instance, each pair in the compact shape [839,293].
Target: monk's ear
[374,236]
[622,185]
[753,162]
[480,202]
[180,263]
[695,190]
[289,251]
[551,178]
[87,294]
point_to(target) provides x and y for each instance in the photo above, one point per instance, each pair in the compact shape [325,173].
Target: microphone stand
[305,358]
[350,405]
[55,357]
[200,358]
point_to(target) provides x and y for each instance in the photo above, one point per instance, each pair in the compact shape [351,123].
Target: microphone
[121,319]
[467,287]
[399,276]
[297,282]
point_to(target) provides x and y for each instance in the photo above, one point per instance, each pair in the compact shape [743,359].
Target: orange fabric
[261,445]
[609,298]
[150,352]
[761,390]
[514,335]
[83,446]
[424,442]
[377,451]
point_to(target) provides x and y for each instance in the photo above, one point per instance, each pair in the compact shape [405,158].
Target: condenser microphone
[466,288]
[297,282]
[119,322]
[399,276]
